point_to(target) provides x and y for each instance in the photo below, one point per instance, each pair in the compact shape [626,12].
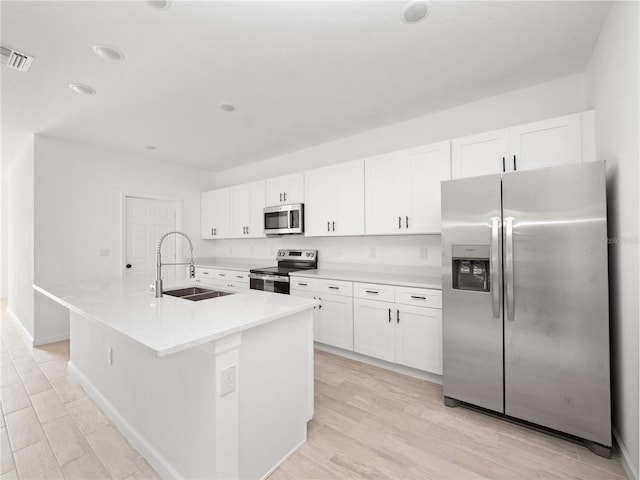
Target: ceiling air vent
[14,59]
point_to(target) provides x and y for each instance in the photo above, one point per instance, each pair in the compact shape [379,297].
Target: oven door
[284,219]
[269,283]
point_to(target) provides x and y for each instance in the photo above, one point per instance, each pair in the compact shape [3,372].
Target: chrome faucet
[159,264]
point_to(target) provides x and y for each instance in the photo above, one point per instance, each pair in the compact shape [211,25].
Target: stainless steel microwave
[284,219]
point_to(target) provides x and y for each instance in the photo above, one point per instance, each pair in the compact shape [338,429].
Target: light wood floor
[369,423]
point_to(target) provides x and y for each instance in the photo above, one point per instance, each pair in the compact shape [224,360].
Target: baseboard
[277,465]
[21,330]
[394,367]
[150,454]
[52,339]
[629,468]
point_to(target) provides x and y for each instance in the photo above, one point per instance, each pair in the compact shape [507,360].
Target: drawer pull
[418,297]
[205,273]
[334,288]
[239,276]
[372,291]
[222,274]
[303,285]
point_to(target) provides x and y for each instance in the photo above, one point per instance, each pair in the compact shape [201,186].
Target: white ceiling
[300,73]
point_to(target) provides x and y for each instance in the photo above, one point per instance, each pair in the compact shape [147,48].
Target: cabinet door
[556,141]
[481,154]
[240,210]
[285,189]
[374,328]
[382,181]
[319,201]
[335,321]
[425,168]
[419,338]
[316,311]
[255,221]
[215,222]
[348,201]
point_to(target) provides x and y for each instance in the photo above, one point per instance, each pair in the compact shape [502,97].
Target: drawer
[230,283]
[421,297]
[334,287]
[236,276]
[205,280]
[374,291]
[303,284]
[204,273]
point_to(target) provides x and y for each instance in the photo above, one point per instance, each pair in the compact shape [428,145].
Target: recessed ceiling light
[110,53]
[415,11]
[159,4]
[150,147]
[80,88]
[227,107]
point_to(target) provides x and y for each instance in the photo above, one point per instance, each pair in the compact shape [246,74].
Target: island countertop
[168,325]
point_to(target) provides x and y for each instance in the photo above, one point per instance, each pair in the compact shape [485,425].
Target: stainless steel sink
[195,293]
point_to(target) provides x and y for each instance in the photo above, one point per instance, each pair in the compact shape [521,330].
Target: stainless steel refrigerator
[525,298]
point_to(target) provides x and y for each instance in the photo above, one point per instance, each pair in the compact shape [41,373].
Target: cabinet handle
[222,274]
[504,165]
[212,234]
[334,288]
[399,222]
[285,196]
[514,163]
[389,315]
[334,226]
[319,306]
[328,229]
[407,221]
[205,273]
[418,297]
[247,230]
[215,231]
[397,316]
[303,285]
[372,291]
[239,276]
[280,196]
[244,230]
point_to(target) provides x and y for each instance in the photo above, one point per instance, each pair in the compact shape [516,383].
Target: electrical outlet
[423,253]
[372,252]
[227,380]
[109,356]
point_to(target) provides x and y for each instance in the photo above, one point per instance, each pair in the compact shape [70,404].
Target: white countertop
[168,325]
[227,263]
[401,277]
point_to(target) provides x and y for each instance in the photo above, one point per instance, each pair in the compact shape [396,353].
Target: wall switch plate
[227,380]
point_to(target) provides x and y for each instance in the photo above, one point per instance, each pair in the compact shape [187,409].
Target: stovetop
[284,271]
[291,261]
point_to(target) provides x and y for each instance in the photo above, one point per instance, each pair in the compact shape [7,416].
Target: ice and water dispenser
[471,267]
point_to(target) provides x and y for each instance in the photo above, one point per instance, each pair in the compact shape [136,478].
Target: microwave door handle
[494,268]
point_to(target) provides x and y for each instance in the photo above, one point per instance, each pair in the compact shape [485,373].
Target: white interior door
[146,220]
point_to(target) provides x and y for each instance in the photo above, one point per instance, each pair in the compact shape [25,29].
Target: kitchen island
[220,388]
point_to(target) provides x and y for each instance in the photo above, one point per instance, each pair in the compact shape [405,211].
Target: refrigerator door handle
[495,278]
[508,269]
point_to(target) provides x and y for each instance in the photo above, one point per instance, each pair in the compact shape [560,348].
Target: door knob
[128,265]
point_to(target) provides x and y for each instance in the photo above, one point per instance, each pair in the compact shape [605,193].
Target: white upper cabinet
[215,218]
[247,205]
[285,190]
[334,200]
[402,190]
[481,154]
[556,141]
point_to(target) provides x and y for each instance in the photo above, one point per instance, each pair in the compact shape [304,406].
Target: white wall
[559,97]
[78,211]
[4,239]
[613,88]
[20,235]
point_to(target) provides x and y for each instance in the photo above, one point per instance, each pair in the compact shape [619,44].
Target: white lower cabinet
[236,279]
[406,333]
[333,318]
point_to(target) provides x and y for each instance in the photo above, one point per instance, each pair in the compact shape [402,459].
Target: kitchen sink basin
[196,293]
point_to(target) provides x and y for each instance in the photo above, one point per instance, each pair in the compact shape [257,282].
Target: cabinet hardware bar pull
[504,165]
[285,196]
[514,163]
[334,226]
[389,315]
[372,291]
[328,229]
[205,273]
[215,231]
[334,288]
[303,285]
[407,221]
[247,230]
[212,232]
[399,222]
[222,274]
[280,196]
[239,276]
[418,297]
[320,306]
[397,316]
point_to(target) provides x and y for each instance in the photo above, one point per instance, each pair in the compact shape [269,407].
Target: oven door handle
[272,278]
